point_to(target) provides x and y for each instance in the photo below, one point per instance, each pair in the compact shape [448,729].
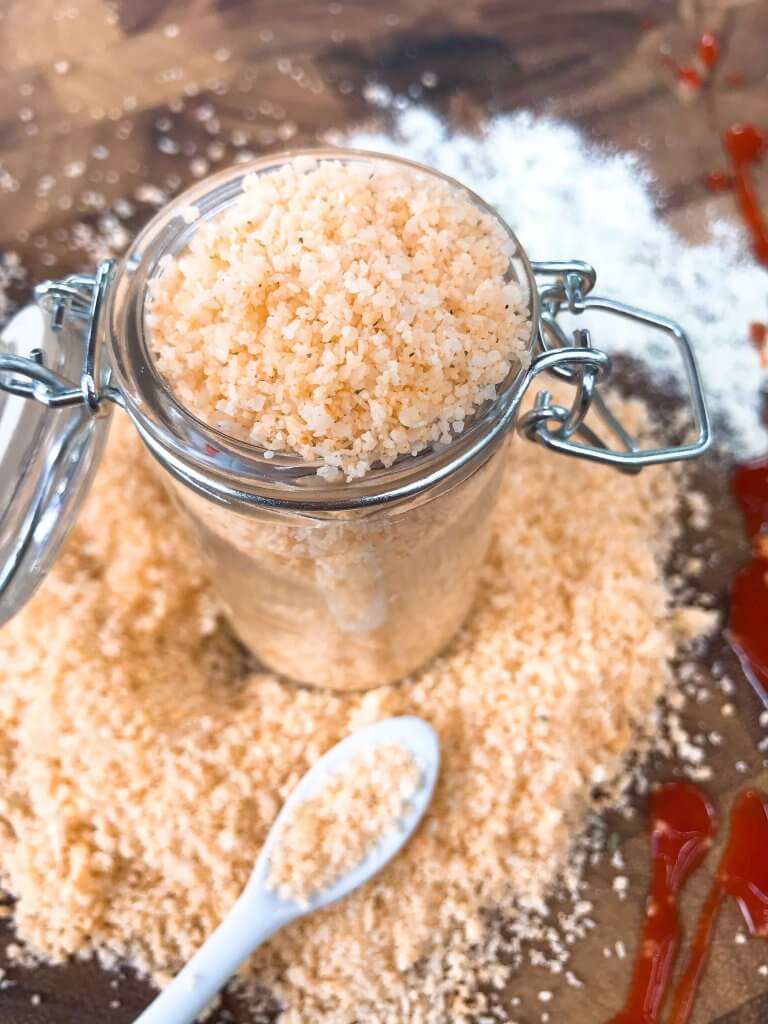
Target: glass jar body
[353,600]
[340,583]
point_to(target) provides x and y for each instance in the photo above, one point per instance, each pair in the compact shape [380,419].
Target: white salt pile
[565,198]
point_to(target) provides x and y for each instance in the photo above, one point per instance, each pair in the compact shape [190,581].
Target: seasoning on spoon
[336,827]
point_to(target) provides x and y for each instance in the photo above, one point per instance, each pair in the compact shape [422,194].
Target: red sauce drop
[209,449]
[743,875]
[748,611]
[748,622]
[743,872]
[720,181]
[689,77]
[692,76]
[749,485]
[745,144]
[758,335]
[682,826]
[735,80]
[708,50]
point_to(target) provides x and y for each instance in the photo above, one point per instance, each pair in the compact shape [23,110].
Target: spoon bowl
[261,911]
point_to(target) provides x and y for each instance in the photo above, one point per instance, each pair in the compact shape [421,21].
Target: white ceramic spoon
[260,912]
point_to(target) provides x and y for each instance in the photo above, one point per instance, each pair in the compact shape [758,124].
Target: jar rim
[231,471]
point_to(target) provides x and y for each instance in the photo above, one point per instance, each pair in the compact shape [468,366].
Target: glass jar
[345,585]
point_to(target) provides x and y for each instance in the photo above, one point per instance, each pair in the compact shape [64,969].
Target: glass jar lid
[49,448]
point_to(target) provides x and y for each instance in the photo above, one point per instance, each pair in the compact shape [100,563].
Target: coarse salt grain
[348,313]
[337,826]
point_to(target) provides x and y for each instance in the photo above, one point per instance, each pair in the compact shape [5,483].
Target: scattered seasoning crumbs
[336,828]
[144,685]
[201,749]
[620,886]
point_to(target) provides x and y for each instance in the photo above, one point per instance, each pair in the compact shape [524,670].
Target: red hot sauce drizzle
[682,826]
[743,875]
[689,76]
[748,611]
[693,76]
[745,145]
[708,50]
[758,335]
[682,819]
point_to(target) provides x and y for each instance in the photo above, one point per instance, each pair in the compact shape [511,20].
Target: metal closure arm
[567,286]
[80,296]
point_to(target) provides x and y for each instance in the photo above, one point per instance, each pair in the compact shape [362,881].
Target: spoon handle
[239,934]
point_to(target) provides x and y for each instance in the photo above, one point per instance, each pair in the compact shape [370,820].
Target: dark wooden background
[90,94]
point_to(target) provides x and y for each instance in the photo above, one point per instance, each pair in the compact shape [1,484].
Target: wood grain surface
[90,92]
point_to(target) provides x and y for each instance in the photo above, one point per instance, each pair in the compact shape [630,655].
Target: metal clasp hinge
[567,287]
[80,296]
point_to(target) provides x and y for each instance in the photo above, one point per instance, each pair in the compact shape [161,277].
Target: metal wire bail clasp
[81,297]
[566,288]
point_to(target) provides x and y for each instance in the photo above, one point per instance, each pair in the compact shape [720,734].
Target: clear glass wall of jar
[344,585]
[350,601]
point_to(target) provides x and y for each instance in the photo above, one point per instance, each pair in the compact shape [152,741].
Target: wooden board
[85,88]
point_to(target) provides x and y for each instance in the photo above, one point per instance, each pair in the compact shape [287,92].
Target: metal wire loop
[585,389]
[25,377]
[567,285]
[79,296]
